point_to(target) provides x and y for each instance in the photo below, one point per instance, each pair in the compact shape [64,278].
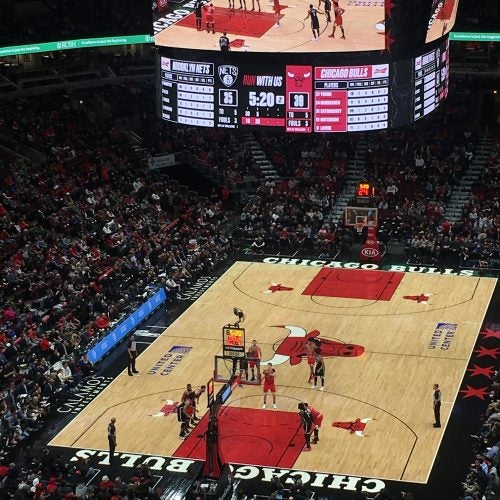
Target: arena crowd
[482,481]
[85,232]
[83,237]
[414,169]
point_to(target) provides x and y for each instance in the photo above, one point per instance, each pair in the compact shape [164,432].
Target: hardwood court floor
[293,35]
[441,26]
[407,347]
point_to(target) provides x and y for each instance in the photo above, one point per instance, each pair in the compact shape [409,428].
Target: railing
[96,78]
[125,326]
[486,271]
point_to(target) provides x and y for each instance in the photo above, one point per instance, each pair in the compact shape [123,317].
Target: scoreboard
[300,98]
[297,98]
[431,80]
[351,98]
[188,92]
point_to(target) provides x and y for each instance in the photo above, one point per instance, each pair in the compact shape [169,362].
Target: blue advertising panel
[126,326]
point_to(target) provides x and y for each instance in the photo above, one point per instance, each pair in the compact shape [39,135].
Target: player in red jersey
[310,349]
[277,11]
[317,418]
[269,374]
[338,11]
[255,355]
[209,18]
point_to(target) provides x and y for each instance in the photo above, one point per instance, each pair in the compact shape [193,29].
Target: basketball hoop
[359,227]
[360,223]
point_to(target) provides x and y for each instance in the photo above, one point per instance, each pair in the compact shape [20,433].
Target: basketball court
[255,31]
[442,19]
[386,337]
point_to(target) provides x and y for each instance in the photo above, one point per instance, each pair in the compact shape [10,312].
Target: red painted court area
[278,444]
[446,11]
[237,22]
[354,284]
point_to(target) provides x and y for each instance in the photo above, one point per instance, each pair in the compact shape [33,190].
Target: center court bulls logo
[298,79]
[292,348]
[228,74]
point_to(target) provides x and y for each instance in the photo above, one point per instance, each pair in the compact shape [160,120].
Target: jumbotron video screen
[331,66]
[273,26]
[298,26]
[442,18]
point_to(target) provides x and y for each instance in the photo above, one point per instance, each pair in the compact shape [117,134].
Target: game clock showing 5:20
[263,108]
[264,99]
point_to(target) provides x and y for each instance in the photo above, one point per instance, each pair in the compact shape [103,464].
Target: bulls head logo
[169,408]
[228,74]
[237,43]
[299,79]
[357,426]
[292,348]
[423,298]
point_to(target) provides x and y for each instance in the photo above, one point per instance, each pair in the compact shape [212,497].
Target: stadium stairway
[267,169]
[461,193]
[354,174]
